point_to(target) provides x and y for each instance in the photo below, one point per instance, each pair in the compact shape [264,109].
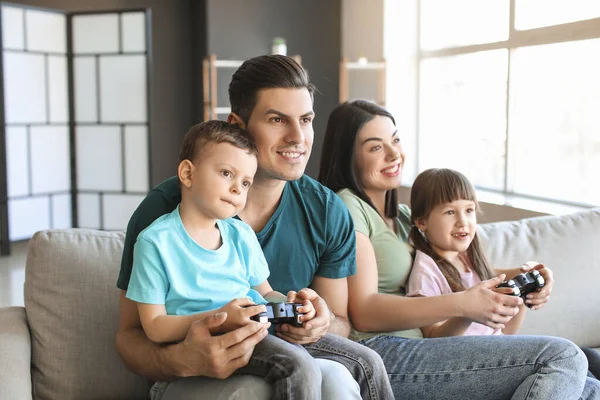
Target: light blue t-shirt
[170,268]
[310,233]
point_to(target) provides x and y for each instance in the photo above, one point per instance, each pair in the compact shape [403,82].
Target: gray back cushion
[570,246]
[72,306]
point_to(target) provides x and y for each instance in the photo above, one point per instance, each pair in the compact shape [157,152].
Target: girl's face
[450,228]
[378,155]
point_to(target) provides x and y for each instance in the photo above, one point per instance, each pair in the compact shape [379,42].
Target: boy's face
[220,178]
[281,126]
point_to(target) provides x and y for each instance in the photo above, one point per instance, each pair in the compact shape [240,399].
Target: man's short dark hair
[264,72]
[216,132]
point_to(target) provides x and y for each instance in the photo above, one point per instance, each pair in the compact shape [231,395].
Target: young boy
[198,260]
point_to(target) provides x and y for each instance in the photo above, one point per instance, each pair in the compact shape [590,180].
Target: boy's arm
[199,354]
[163,328]
[269,294]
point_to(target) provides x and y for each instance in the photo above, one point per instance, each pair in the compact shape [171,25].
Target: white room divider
[111,115]
[75,119]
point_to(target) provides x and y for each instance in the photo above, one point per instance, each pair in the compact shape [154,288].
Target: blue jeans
[485,367]
[593,358]
[337,384]
[332,368]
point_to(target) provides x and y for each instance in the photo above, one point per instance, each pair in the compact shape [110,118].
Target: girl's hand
[307,307]
[490,306]
[536,300]
[239,312]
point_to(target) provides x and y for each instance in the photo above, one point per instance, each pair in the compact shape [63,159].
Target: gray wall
[362,36]
[240,29]
[172,79]
[183,31]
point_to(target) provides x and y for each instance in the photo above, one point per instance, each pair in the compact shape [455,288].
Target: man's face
[222,175]
[281,126]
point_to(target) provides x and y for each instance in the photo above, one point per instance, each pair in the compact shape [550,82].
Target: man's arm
[199,354]
[334,292]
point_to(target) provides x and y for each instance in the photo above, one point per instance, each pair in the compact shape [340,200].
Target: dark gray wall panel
[240,29]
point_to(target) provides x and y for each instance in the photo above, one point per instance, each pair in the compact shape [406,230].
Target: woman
[362,161]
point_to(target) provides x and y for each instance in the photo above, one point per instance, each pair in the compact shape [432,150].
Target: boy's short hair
[214,132]
[264,72]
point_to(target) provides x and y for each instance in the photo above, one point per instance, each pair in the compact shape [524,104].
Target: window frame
[567,32]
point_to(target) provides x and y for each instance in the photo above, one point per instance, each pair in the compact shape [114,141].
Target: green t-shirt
[311,233]
[392,251]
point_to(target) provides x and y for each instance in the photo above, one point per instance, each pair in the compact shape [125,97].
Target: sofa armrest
[15,354]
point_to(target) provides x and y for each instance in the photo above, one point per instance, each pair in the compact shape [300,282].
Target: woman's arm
[371,311]
[456,326]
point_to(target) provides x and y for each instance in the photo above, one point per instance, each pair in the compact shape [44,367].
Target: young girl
[449,256]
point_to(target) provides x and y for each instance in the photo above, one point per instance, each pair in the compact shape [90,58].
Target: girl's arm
[513,326]
[536,299]
[371,311]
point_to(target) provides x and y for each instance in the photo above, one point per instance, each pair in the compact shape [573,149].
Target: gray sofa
[61,345]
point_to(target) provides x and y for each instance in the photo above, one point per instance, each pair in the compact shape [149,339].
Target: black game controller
[280,313]
[525,283]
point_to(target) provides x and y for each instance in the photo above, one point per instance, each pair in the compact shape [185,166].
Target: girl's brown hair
[440,186]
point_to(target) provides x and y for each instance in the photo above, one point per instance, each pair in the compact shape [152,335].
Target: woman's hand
[490,306]
[239,312]
[315,322]
[536,300]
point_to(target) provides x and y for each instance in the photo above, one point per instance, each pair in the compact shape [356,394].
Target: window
[509,93]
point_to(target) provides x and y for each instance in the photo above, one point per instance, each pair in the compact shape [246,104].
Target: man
[306,234]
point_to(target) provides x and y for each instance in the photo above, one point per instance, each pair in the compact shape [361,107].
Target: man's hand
[238,313]
[315,324]
[490,306]
[539,298]
[201,354]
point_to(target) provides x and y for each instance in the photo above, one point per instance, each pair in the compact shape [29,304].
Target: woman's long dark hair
[337,170]
[440,186]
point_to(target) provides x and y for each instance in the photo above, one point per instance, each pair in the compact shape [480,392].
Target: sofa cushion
[72,306]
[15,354]
[570,246]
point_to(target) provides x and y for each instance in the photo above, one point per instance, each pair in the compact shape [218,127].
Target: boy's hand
[539,298]
[239,312]
[307,307]
[315,328]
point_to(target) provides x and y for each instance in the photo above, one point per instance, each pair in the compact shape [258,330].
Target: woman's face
[378,155]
